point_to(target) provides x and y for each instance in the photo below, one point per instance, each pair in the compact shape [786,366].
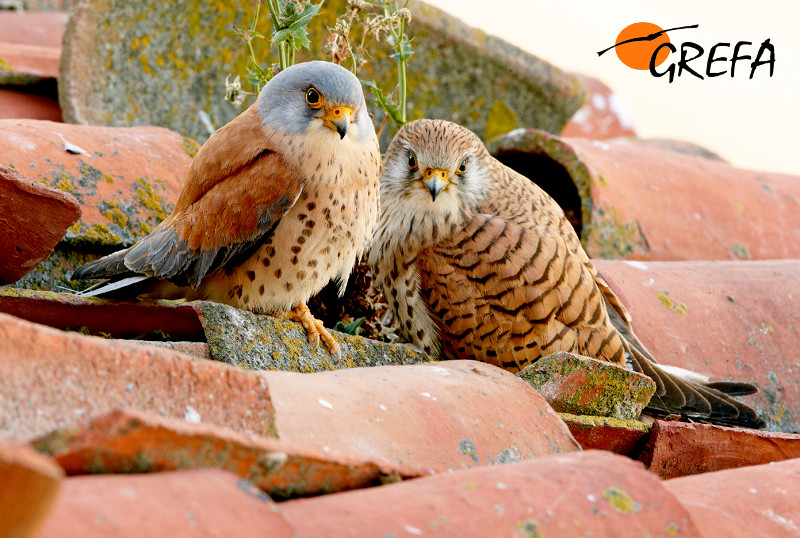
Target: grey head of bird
[309,97]
[437,167]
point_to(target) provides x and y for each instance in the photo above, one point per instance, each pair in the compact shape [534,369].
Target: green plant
[290,26]
[354,327]
[290,19]
[388,22]
[289,33]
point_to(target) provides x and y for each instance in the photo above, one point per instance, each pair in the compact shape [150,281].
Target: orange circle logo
[636,54]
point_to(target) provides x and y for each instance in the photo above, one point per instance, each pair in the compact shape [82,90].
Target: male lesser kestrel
[478,262]
[276,203]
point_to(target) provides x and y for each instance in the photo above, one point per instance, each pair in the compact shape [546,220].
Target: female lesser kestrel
[478,262]
[276,203]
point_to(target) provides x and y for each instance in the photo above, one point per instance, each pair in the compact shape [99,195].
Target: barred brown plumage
[478,262]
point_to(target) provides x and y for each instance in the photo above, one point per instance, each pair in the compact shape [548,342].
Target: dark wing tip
[734,388]
[109,266]
[701,402]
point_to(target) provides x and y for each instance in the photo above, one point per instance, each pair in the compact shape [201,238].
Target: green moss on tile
[65,182]
[608,236]
[55,271]
[173,61]
[99,234]
[260,342]
[190,146]
[115,215]
[500,121]
[529,529]
[621,501]
[595,387]
[149,198]
[588,422]
[741,251]
[665,299]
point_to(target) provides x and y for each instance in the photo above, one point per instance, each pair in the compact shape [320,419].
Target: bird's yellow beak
[436,181]
[337,118]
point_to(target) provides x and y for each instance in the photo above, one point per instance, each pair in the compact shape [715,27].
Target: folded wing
[236,191]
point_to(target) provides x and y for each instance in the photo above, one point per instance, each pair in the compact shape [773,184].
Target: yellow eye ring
[462,167]
[314,98]
[412,160]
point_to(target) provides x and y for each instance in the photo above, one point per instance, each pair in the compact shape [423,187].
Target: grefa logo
[646,46]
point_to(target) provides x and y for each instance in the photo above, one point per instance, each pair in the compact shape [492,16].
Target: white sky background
[752,123]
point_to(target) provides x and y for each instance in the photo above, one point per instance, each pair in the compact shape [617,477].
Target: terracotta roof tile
[29,483]
[633,200]
[126,180]
[20,104]
[33,218]
[40,28]
[447,415]
[727,320]
[118,319]
[678,449]
[202,502]
[592,493]
[53,379]
[603,115]
[28,63]
[625,437]
[128,441]
[761,500]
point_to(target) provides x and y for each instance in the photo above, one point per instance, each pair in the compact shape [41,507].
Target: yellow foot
[314,328]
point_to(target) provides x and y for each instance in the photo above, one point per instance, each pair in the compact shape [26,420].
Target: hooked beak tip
[338,120]
[435,186]
[341,128]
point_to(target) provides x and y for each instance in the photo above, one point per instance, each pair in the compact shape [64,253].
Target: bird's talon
[314,328]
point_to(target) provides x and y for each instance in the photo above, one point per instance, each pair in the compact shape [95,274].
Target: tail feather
[704,402]
[683,392]
[729,409]
[121,288]
[667,391]
[120,283]
[125,284]
[733,388]
[110,266]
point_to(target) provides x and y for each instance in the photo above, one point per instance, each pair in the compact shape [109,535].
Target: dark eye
[462,167]
[412,160]
[313,98]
